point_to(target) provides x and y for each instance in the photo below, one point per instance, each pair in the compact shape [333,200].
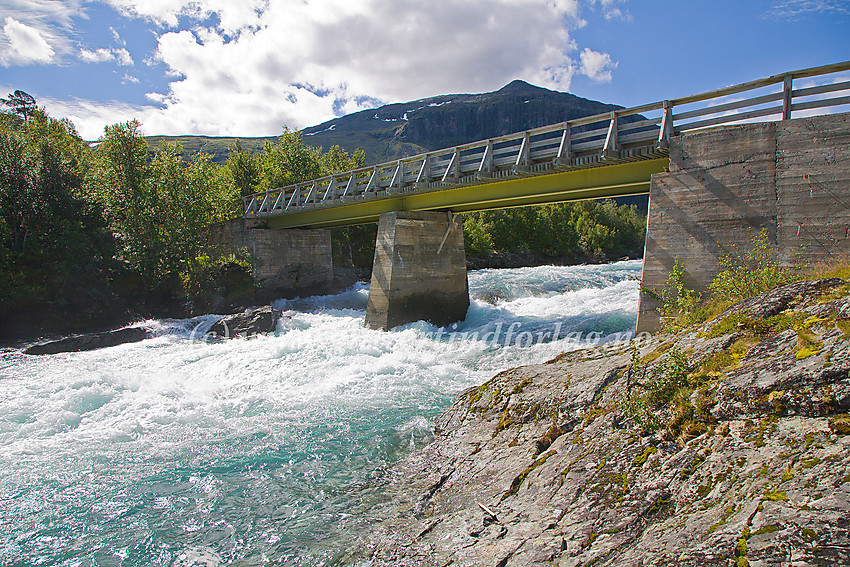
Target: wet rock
[91,341]
[246,324]
[491,297]
[745,461]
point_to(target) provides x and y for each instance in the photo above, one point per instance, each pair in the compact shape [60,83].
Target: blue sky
[251,67]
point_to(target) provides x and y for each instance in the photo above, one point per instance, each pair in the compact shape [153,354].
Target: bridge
[624,152]
[606,155]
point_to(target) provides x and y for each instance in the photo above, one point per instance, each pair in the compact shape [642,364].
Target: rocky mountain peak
[518,86]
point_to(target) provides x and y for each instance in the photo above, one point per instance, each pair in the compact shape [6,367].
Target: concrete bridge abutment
[724,185]
[419,272]
[287,263]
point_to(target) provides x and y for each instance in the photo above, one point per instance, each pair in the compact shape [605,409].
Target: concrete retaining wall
[791,178]
[287,263]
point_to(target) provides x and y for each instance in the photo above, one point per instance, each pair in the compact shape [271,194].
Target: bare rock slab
[723,445]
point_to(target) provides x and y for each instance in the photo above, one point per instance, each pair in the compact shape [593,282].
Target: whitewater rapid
[179,451]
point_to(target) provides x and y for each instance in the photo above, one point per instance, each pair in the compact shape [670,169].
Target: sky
[253,67]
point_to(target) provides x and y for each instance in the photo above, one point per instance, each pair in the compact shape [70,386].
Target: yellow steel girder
[618,180]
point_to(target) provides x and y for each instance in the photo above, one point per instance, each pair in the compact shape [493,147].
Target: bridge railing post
[453,168]
[423,177]
[565,153]
[522,159]
[352,180]
[398,177]
[485,168]
[330,192]
[373,180]
[786,96]
[666,130]
[611,149]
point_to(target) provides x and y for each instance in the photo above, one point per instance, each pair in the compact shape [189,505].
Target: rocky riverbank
[726,444]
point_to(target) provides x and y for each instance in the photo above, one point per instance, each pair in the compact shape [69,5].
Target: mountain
[405,129]
[410,128]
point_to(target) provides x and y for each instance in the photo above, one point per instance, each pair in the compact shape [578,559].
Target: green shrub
[683,302]
[657,387]
[751,272]
[745,274]
[681,306]
[209,280]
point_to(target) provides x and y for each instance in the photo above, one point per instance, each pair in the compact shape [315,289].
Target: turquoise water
[178,452]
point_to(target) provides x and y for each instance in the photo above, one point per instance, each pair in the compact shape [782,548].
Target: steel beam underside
[618,180]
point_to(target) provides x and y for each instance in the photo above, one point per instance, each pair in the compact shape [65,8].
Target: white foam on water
[185,452]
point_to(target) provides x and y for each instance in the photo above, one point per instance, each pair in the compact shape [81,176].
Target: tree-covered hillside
[92,234]
[576,232]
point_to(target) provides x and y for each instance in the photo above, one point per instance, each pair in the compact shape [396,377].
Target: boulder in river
[246,324]
[91,341]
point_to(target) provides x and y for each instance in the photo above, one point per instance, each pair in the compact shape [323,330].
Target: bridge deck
[604,155]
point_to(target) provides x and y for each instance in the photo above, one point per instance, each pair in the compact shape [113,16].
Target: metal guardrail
[594,141]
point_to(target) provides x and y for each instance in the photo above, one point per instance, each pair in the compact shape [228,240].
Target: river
[178,451]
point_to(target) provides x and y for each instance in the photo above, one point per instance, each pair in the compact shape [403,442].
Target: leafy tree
[242,169]
[478,234]
[336,160]
[354,246]
[21,104]
[160,209]
[288,161]
[119,178]
[55,250]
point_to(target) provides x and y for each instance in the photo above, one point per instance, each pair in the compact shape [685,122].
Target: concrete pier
[725,185]
[287,263]
[419,271]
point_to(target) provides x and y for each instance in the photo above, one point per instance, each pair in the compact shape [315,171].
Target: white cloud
[253,66]
[794,8]
[264,64]
[36,31]
[24,45]
[233,16]
[121,56]
[117,37]
[598,66]
[610,9]
[97,56]
[42,13]
[91,117]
